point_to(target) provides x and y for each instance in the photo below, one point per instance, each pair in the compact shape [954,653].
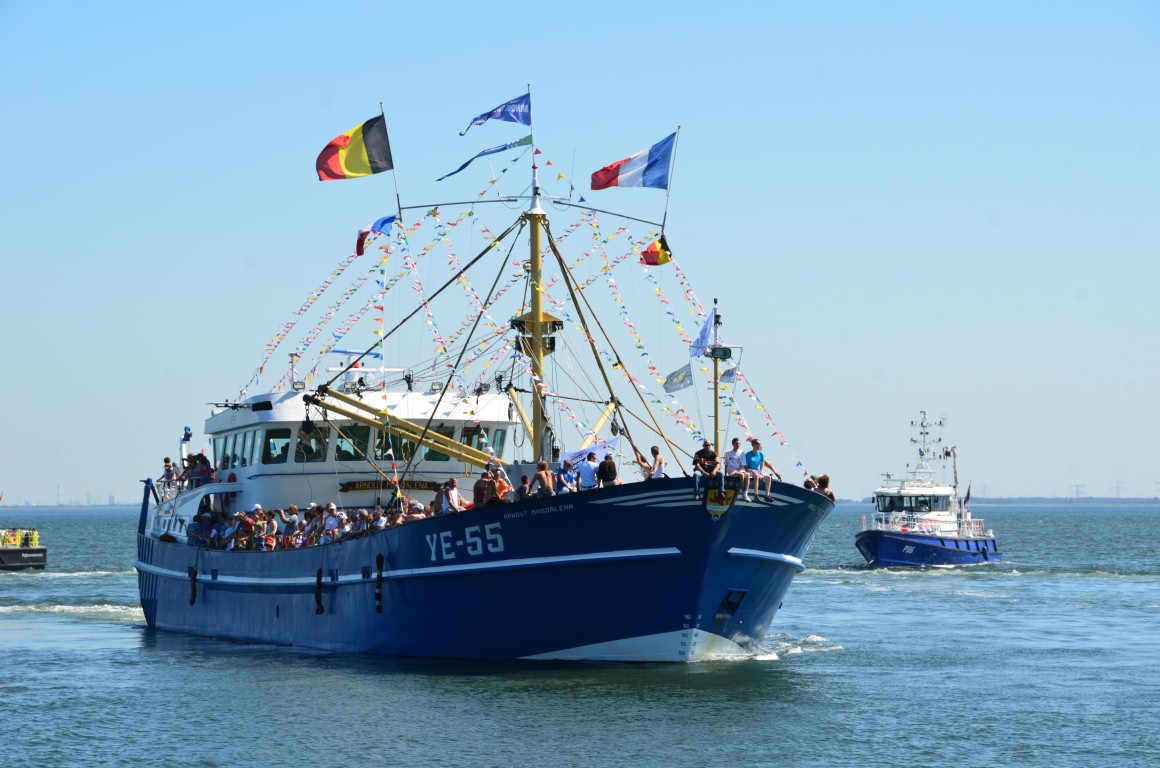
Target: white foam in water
[104,611]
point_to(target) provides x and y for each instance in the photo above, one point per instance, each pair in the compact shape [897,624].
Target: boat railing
[19,537]
[899,522]
[171,489]
[909,523]
[973,528]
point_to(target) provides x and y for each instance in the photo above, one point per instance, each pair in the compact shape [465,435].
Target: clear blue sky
[952,206]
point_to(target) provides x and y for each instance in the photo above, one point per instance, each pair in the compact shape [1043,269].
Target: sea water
[1050,658]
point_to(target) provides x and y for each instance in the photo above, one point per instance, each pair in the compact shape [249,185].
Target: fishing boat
[629,570]
[20,550]
[919,521]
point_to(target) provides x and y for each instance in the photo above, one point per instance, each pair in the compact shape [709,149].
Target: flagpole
[382,271]
[716,383]
[668,188]
[394,173]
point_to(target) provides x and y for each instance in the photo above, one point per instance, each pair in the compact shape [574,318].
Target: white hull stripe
[499,565]
[762,555]
[639,497]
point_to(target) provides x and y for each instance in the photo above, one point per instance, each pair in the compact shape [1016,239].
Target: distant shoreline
[976,502]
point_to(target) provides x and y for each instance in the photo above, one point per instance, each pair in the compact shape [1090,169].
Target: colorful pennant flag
[518,110]
[657,253]
[360,151]
[525,141]
[647,168]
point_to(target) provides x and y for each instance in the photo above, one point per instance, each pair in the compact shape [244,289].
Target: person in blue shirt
[755,462]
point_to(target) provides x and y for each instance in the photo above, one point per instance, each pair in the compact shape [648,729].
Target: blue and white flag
[518,110]
[524,142]
[729,376]
[679,379]
[701,345]
[601,450]
[383,224]
[378,228]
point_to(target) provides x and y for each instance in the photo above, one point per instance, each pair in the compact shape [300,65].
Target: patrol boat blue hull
[887,549]
[639,572]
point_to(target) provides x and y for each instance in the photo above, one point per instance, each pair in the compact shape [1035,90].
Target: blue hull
[888,549]
[640,572]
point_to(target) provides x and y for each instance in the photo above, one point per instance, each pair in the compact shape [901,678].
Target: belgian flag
[657,253]
[360,151]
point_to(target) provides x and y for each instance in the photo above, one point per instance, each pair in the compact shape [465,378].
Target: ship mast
[536,327]
[535,324]
[717,353]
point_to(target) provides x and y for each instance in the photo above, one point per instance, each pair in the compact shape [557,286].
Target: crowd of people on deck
[291,528]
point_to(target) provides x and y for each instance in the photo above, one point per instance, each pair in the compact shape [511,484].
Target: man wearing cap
[415,511]
[706,467]
[331,524]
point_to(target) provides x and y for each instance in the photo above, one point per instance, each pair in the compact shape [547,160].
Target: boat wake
[106,612]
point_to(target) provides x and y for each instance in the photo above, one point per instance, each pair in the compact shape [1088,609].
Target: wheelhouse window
[889,504]
[311,445]
[918,504]
[351,443]
[434,455]
[390,447]
[276,448]
[478,438]
[475,437]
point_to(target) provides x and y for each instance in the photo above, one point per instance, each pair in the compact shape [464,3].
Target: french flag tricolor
[647,168]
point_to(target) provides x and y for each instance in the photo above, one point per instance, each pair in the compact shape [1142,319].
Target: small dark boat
[20,550]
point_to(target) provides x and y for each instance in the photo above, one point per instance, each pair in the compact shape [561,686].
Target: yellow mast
[536,327]
[534,323]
